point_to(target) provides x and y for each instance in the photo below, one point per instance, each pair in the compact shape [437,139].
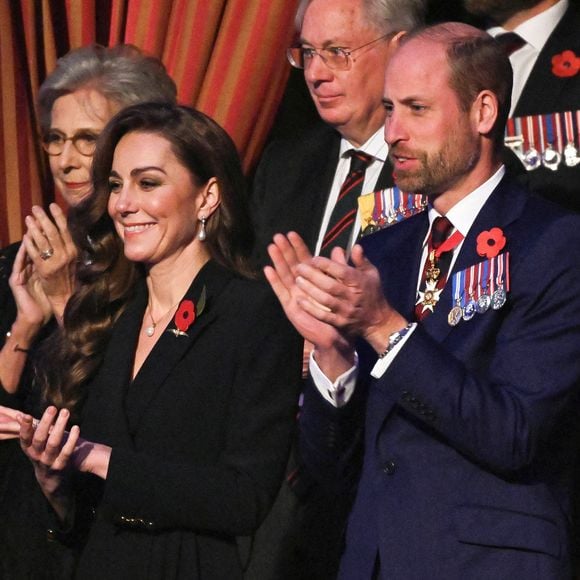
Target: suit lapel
[313,185]
[385,178]
[106,393]
[171,348]
[396,251]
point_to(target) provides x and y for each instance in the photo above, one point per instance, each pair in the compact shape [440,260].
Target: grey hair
[122,74]
[385,15]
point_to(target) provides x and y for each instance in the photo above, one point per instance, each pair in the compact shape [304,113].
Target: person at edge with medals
[75,101]
[447,351]
[178,363]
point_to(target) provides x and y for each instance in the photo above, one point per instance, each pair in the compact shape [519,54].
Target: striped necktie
[344,213]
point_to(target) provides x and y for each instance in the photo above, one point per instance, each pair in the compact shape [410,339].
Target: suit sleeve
[498,396]
[232,493]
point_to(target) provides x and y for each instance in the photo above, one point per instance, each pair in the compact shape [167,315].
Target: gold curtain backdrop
[226,57]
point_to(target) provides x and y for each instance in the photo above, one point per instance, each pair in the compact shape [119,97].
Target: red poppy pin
[565,64]
[491,243]
[186,314]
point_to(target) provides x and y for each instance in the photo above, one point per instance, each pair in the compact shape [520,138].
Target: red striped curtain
[226,57]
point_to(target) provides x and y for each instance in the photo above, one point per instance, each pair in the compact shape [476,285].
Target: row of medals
[480,306]
[550,158]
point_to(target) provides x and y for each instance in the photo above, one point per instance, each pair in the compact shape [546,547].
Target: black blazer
[544,92]
[291,187]
[200,437]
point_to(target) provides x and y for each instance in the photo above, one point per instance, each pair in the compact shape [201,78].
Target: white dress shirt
[535,32]
[378,149]
[461,215]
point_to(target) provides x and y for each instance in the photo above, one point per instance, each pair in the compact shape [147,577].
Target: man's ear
[210,198]
[395,41]
[485,111]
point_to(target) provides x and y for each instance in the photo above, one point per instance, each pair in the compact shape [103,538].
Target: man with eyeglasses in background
[343,47]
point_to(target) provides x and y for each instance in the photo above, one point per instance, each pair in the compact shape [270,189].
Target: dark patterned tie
[435,270]
[510,42]
[344,212]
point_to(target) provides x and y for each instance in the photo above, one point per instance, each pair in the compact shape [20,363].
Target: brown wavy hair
[106,278]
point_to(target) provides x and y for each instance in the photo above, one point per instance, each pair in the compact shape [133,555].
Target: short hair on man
[386,16]
[477,62]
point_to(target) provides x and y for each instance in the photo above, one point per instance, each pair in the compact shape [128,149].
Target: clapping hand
[54,254]
[33,307]
[334,352]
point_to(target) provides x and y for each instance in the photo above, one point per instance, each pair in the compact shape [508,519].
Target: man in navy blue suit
[447,350]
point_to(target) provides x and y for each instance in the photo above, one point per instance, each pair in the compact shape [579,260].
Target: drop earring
[202,233]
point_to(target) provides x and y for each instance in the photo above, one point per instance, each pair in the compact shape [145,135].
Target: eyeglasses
[334,57]
[83,141]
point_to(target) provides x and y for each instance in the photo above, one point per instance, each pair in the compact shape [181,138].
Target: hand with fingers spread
[53,253]
[351,296]
[333,349]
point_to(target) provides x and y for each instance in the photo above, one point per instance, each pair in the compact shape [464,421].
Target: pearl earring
[202,233]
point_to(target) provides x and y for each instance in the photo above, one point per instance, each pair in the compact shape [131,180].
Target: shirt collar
[463,213]
[536,31]
[374,146]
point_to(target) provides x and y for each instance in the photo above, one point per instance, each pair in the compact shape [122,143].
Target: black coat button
[390,467]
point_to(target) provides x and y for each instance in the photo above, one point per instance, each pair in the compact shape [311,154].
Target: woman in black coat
[182,369]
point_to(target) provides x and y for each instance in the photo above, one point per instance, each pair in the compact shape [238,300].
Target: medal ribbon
[558,128]
[542,137]
[378,207]
[485,277]
[449,244]
[569,123]
[469,285]
[456,285]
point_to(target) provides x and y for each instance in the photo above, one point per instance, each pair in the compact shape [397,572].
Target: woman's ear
[210,198]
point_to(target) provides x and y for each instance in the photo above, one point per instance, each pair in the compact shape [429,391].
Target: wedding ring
[35,423]
[46,254]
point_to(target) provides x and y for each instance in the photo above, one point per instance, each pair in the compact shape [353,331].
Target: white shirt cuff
[339,392]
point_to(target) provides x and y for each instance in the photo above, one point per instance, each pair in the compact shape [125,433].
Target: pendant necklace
[150,330]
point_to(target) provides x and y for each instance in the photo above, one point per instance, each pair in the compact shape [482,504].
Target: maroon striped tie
[344,212]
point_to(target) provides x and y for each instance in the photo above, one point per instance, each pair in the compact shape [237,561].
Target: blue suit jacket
[469,437]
